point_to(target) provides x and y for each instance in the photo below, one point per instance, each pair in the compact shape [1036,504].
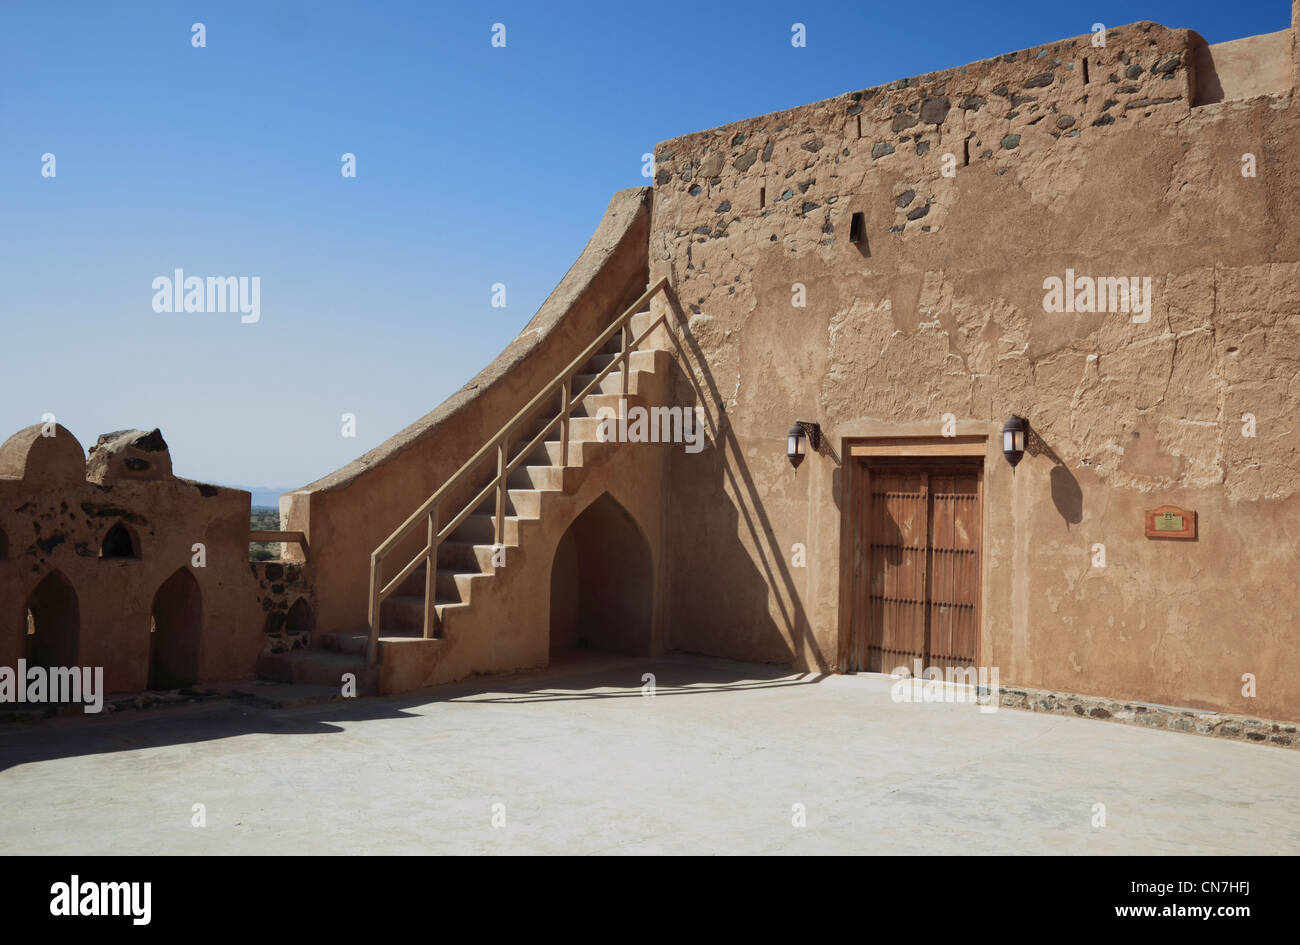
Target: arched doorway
[52,623]
[602,583]
[175,624]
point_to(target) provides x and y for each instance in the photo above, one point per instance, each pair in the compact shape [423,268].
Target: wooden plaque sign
[1169,521]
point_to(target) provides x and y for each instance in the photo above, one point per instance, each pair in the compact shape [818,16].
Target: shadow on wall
[731,618]
[1067,495]
[602,582]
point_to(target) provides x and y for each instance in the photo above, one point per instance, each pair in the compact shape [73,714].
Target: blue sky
[475,165]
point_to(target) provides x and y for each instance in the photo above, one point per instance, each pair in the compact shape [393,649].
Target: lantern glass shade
[796,445]
[1014,436]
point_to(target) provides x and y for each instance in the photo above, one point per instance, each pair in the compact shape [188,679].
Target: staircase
[544,453]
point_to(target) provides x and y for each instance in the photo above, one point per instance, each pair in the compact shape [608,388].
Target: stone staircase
[466,574]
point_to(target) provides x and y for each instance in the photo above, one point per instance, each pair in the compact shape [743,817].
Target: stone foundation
[1238,727]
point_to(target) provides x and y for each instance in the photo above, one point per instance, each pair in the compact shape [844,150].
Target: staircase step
[549,452]
[464,556]
[481,529]
[355,643]
[458,585]
[545,478]
[403,614]
[520,503]
[592,404]
[642,360]
[315,667]
[640,322]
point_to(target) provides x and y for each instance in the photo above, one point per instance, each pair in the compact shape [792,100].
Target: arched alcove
[300,619]
[175,627]
[4,545]
[120,542]
[51,621]
[602,582]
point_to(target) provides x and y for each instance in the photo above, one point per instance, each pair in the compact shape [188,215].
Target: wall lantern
[802,434]
[1014,433]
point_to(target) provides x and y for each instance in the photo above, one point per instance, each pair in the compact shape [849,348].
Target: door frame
[860,453]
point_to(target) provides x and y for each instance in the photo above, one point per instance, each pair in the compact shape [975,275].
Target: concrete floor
[585,764]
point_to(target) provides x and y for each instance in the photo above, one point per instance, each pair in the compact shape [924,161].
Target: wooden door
[916,564]
[953,568]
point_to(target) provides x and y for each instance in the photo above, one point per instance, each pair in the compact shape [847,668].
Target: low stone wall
[1239,727]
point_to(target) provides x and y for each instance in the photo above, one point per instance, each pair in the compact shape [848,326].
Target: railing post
[564,422]
[501,494]
[431,579]
[372,644]
[627,358]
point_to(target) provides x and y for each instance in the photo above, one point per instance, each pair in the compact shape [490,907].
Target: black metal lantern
[802,435]
[1014,434]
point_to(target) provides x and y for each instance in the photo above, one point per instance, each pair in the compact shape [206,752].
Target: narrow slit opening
[857,224]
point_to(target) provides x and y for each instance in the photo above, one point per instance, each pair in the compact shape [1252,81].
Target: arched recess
[4,545]
[175,627]
[300,618]
[120,542]
[602,582]
[52,623]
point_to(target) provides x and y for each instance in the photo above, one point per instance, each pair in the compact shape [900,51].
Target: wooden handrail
[438,528]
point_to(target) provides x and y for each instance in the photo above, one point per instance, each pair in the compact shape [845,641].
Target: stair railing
[430,513]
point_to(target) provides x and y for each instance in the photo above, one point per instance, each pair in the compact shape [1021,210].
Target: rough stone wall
[54,519]
[280,586]
[940,310]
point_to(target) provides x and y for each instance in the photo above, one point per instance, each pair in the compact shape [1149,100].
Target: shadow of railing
[775,569]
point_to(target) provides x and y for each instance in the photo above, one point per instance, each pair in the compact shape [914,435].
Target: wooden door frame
[968,451]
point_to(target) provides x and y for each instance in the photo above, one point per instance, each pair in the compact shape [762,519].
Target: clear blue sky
[475,165]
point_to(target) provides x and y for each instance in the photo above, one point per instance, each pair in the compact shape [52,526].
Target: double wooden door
[916,565]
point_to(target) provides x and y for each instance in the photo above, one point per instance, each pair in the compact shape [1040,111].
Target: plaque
[1169,521]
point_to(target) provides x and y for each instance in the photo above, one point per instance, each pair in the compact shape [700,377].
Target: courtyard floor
[716,762]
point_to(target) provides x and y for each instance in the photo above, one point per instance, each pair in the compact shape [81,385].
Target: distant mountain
[264,497]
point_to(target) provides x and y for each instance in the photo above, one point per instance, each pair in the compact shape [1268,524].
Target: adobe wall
[54,519]
[510,624]
[348,514]
[941,311]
